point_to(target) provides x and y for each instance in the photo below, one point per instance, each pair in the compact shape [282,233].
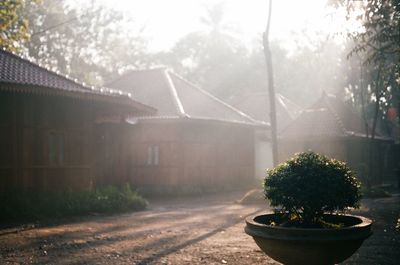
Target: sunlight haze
[165,22]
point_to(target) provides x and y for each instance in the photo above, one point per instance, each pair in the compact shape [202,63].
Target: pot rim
[365,222]
[358,231]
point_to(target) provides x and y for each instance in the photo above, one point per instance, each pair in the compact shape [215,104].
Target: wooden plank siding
[191,154]
[353,151]
[111,157]
[8,152]
[52,143]
[49,143]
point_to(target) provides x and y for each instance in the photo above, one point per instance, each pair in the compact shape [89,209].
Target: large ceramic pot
[311,246]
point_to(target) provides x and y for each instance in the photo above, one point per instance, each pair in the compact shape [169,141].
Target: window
[153,155]
[56,148]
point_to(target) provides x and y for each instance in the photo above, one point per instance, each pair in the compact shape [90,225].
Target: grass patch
[29,206]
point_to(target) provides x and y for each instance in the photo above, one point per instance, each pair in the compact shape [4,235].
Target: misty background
[216,45]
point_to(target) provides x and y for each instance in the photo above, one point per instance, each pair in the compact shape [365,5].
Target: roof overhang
[90,95]
[199,120]
[332,137]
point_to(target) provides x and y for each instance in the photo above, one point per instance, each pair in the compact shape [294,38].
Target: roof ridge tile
[174,94]
[226,105]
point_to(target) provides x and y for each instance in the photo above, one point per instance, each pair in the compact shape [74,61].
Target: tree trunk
[371,149]
[271,89]
[363,111]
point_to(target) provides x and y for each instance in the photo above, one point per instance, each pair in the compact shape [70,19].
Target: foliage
[37,205]
[91,43]
[218,60]
[213,58]
[377,46]
[13,26]
[308,185]
[380,37]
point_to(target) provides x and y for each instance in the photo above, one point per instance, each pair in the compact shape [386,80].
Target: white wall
[263,158]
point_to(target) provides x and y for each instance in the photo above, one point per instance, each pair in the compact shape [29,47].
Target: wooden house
[194,141]
[51,136]
[333,128]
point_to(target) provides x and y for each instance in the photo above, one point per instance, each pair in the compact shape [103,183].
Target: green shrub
[309,185]
[18,205]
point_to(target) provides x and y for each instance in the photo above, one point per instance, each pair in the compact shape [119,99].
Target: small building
[333,128]
[49,127]
[194,141]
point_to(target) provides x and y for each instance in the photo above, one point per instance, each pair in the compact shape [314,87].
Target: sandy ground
[206,230]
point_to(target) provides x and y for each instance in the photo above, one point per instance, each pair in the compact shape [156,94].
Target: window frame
[153,155]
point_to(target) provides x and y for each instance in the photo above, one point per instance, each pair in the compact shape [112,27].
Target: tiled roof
[21,75]
[176,97]
[149,87]
[257,106]
[328,117]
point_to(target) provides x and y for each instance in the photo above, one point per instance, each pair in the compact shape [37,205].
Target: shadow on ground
[190,231]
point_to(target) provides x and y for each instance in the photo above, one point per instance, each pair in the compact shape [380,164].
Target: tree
[378,46]
[92,44]
[14,28]
[271,89]
[381,43]
[213,58]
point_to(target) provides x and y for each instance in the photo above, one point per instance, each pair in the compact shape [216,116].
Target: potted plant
[310,194]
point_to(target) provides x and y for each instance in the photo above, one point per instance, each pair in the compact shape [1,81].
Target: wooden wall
[7,137]
[190,154]
[47,142]
[111,157]
[331,147]
[352,150]
[50,143]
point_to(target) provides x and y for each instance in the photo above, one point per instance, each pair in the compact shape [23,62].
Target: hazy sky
[167,20]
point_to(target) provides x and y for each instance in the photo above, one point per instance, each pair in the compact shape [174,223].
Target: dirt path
[194,231]
[383,247]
